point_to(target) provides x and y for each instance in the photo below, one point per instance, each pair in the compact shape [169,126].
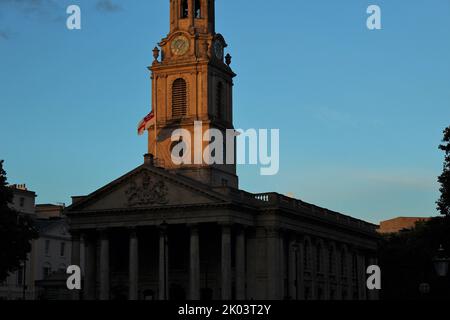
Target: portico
[143,241]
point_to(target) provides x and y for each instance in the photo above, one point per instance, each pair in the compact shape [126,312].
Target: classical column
[240,264]
[283,267]
[301,269]
[361,276]
[293,268]
[274,264]
[349,262]
[373,294]
[163,264]
[89,261]
[133,265]
[194,263]
[326,270]
[76,251]
[76,248]
[226,262]
[104,265]
[338,272]
[313,266]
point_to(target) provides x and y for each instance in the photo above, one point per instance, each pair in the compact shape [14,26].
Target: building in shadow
[50,252]
[182,231]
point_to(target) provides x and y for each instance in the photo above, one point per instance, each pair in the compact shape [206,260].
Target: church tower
[191,83]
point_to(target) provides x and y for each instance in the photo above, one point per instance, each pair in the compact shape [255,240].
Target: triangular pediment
[148,187]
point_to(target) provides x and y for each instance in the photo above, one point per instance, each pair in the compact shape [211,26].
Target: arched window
[46,270]
[354,266]
[198,9]
[184,10]
[319,258]
[306,255]
[331,260]
[179,98]
[219,112]
[343,263]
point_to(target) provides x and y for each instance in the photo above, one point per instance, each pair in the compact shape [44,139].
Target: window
[184,9]
[354,266]
[306,255]
[219,112]
[332,294]
[343,263]
[331,261]
[307,293]
[62,249]
[46,270]
[319,258]
[197,11]
[22,202]
[179,98]
[319,294]
[47,247]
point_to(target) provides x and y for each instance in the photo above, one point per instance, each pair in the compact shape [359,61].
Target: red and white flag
[146,123]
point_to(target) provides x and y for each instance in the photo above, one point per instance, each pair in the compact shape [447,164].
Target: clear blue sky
[361,112]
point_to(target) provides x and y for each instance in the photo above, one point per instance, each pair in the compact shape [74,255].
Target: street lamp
[440,262]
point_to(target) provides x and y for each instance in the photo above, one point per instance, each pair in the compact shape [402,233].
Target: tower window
[198,10]
[219,101]
[184,9]
[179,98]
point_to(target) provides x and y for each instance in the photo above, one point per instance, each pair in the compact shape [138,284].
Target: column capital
[241,228]
[104,233]
[193,226]
[273,231]
[225,224]
[75,234]
[133,231]
[163,227]
[226,227]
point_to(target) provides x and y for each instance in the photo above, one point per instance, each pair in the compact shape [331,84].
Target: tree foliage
[406,260]
[444,179]
[16,231]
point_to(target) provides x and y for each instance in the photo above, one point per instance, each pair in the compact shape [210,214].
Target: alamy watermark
[373,280]
[229,147]
[73,21]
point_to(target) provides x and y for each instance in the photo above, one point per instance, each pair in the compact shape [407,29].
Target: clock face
[218,50]
[180,45]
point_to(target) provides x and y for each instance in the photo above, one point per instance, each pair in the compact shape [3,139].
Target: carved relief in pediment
[146,192]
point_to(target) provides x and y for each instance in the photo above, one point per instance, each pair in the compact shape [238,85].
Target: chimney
[149,159]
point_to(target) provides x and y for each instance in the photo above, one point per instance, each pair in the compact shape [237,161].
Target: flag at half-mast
[146,123]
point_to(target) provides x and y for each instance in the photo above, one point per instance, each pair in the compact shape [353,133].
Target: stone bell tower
[191,83]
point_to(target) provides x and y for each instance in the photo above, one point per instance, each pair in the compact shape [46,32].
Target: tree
[406,260]
[16,231]
[444,179]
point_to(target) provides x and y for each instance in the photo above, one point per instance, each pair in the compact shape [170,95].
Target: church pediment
[147,187]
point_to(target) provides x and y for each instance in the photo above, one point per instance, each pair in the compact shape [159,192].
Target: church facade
[186,231]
